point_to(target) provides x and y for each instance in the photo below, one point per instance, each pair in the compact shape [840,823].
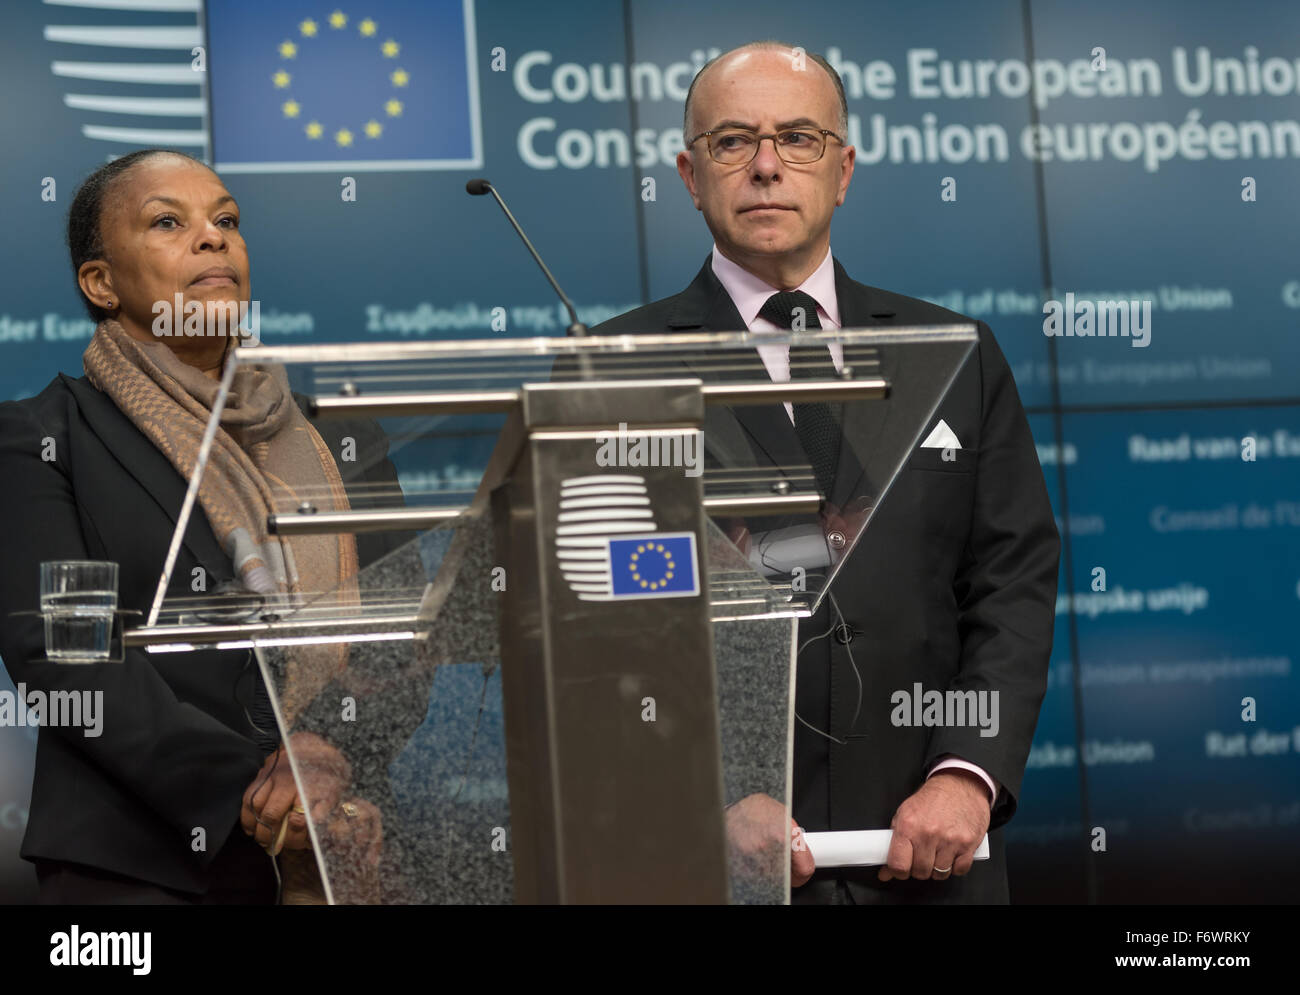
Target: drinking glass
[78,600]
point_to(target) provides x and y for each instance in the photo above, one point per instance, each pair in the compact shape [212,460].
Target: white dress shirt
[749,294]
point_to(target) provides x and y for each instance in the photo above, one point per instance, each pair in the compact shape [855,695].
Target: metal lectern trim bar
[323,523]
[500,401]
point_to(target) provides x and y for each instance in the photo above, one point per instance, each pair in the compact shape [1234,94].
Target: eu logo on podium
[657,565]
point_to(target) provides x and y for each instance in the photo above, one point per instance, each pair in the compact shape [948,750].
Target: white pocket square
[941,438]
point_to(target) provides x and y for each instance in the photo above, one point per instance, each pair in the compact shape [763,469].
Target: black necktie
[818,431]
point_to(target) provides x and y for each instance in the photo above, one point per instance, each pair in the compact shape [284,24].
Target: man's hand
[938,829]
[756,835]
[269,799]
[738,532]
[355,833]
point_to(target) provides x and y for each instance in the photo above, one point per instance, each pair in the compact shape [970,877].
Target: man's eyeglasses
[734,147]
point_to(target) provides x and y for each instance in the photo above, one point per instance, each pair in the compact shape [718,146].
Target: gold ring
[297,807]
[350,810]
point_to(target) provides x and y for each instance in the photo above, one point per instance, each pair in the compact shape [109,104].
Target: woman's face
[170,227]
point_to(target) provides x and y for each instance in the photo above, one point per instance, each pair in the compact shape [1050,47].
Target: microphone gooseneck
[477,188]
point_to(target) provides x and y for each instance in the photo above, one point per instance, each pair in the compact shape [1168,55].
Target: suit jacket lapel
[705,305]
[857,310]
[151,470]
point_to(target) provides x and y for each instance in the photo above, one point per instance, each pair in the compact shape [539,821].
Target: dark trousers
[241,875]
[823,890]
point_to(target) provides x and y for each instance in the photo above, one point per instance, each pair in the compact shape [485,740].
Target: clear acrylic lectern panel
[397,668]
[417,715]
[433,459]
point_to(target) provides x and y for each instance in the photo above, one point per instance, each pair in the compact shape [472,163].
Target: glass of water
[78,600]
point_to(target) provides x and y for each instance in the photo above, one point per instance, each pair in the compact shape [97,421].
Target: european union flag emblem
[659,565]
[317,85]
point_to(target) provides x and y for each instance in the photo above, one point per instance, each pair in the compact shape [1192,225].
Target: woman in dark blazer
[150,809]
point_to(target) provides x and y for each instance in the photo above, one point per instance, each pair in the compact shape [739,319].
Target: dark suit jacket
[79,481]
[952,585]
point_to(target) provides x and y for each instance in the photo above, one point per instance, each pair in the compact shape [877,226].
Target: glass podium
[543,612]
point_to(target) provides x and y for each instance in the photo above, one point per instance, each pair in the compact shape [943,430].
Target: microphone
[479,187]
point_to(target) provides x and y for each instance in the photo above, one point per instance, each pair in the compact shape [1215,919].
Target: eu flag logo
[659,565]
[312,86]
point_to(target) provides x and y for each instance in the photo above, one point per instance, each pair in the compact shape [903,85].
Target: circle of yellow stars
[642,549]
[367,28]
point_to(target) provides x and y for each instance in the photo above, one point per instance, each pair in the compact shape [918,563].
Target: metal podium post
[610,698]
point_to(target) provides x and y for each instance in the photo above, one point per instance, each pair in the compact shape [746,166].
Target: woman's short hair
[85,235]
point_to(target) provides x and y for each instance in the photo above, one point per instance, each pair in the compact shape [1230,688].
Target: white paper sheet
[861,848]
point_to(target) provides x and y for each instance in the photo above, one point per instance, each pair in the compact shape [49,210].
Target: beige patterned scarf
[266,457]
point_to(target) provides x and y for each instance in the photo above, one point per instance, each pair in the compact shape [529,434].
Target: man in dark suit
[181,737]
[953,584]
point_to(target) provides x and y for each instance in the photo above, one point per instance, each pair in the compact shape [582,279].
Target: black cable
[852,663]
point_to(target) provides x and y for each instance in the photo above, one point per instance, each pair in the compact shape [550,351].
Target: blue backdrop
[1009,153]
